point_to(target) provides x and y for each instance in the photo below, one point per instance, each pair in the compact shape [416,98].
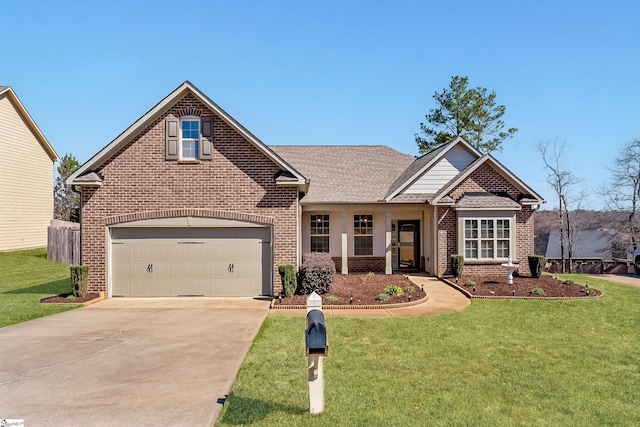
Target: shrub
[537,291]
[409,289]
[457,265]
[316,273]
[289,279]
[536,265]
[568,282]
[332,298]
[79,279]
[469,283]
[393,290]
[383,297]
[70,298]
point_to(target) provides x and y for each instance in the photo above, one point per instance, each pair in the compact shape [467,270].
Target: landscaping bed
[363,289]
[542,287]
[65,299]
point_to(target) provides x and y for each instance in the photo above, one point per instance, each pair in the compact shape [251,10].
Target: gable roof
[424,163]
[187,87]
[346,174]
[46,146]
[532,198]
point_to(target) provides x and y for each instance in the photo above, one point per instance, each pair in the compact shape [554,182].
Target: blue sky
[334,72]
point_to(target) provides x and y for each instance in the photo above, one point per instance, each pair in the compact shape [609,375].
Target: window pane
[486,229]
[319,243]
[503,248]
[486,249]
[189,149]
[471,229]
[502,229]
[471,249]
[363,245]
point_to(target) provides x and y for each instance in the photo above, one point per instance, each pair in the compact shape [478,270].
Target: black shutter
[172,146]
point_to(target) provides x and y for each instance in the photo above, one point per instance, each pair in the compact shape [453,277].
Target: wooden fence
[63,242]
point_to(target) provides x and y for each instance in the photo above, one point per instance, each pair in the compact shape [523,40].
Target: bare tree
[562,181]
[622,193]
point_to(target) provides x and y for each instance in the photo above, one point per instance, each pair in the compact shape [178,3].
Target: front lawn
[497,362]
[25,277]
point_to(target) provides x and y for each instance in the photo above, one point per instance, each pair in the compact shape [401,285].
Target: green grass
[25,277]
[498,362]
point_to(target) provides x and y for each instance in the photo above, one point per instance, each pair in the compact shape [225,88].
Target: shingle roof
[472,200]
[343,174]
[418,164]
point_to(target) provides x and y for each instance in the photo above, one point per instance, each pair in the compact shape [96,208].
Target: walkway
[442,299]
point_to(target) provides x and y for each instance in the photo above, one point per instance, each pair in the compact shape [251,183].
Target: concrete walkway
[442,299]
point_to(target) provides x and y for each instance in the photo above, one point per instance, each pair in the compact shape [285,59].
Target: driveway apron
[161,361]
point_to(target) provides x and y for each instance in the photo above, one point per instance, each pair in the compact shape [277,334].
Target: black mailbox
[316,334]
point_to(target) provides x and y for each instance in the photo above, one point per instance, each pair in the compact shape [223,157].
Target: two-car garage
[190,257]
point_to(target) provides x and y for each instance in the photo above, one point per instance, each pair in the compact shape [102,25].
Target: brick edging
[471,296]
[275,306]
[83,304]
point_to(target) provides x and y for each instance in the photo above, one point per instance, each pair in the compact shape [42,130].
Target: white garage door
[148,262]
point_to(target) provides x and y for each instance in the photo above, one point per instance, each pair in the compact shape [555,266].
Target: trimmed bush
[79,279]
[316,273]
[289,279]
[457,265]
[536,265]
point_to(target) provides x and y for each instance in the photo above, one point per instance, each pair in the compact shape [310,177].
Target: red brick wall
[361,264]
[238,183]
[484,179]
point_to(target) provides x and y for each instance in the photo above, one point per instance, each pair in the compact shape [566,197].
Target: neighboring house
[591,248]
[26,177]
[187,201]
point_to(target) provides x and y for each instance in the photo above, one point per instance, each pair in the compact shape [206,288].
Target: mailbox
[316,334]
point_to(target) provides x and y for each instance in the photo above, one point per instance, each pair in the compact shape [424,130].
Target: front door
[409,245]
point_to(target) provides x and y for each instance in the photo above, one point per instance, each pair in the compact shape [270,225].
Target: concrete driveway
[162,361]
[624,279]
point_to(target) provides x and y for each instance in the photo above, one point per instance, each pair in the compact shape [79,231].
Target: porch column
[345,246]
[388,267]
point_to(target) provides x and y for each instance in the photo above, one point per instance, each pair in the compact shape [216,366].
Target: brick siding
[139,183]
[362,264]
[484,179]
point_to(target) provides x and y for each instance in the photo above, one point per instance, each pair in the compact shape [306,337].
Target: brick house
[187,201]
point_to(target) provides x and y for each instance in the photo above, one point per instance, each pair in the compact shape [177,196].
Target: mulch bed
[365,288]
[489,286]
[362,289]
[62,299]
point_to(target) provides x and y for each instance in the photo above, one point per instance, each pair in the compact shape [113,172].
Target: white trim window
[319,231]
[487,238]
[189,138]
[363,234]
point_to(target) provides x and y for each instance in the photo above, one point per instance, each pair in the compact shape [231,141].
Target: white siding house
[26,177]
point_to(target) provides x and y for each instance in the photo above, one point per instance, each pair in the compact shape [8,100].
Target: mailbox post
[316,348]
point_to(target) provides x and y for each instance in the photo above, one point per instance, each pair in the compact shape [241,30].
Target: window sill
[189,162]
